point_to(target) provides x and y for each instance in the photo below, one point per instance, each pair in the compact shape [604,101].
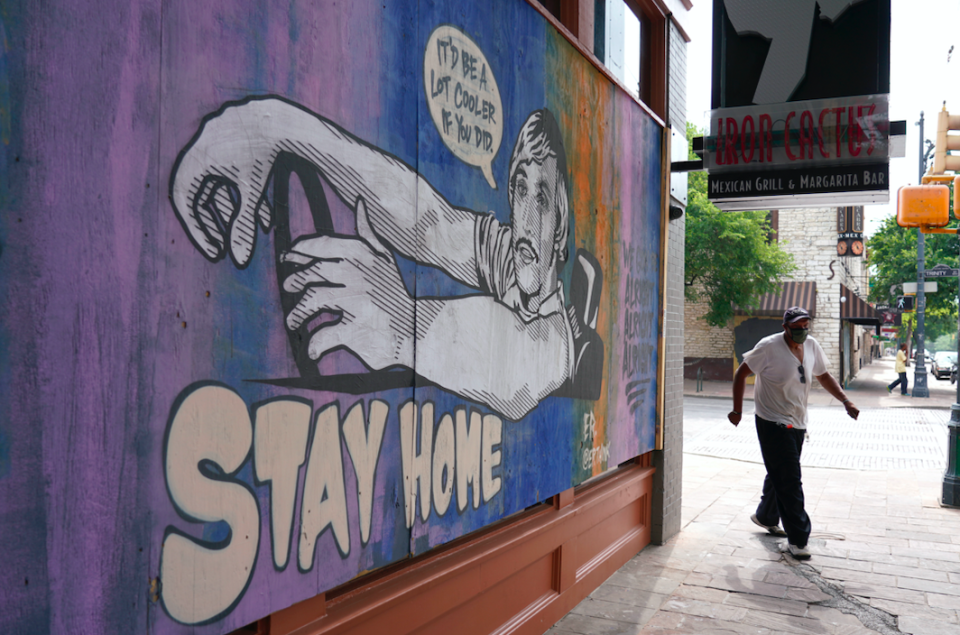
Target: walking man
[785,365]
[901,368]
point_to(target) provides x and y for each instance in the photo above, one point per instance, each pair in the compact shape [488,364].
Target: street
[880,439]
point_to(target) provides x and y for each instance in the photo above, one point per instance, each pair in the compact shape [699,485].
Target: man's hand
[218,185]
[734,417]
[852,410]
[345,276]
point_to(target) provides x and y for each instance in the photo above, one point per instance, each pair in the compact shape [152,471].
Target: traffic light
[905,303]
[923,205]
[942,160]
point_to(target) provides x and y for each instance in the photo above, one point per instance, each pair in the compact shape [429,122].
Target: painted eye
[521,188]
[541,199]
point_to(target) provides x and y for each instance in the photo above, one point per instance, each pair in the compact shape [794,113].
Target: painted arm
[220,186]
[833,387]
[472,346]
[739,384]
[480,349]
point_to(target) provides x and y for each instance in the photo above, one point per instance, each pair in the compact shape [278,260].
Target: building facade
[833,287]
[335,317]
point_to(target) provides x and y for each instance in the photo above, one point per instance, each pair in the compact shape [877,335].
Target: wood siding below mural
[521,577]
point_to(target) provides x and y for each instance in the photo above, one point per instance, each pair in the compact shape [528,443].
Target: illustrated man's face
[534,226]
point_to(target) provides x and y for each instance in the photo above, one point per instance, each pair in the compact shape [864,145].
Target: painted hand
[218,184]
[347,277]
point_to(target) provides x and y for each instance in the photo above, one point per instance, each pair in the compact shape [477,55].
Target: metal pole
[951,479]
[920,388]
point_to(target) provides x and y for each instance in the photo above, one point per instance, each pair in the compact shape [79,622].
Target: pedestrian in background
[901,368]
[785,365]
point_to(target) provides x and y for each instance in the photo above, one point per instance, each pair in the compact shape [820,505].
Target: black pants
[782,499]
[902,382]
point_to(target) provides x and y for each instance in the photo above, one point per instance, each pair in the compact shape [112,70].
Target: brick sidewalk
[886,560]
[886,555]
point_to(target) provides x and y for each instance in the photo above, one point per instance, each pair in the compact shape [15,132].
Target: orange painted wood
[519,576]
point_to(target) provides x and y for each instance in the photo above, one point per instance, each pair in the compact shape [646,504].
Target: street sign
[941,271]
[883,306]
[929,286]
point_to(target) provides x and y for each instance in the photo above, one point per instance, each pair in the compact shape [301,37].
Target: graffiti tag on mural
[463,98]
[638,321]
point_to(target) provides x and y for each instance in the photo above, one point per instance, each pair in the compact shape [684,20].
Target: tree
[946,342]
[893,256]
[729,259]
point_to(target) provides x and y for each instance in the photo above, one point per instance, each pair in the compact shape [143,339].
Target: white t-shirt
[779,394]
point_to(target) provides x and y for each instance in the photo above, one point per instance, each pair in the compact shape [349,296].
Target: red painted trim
[520,577]
[563,499]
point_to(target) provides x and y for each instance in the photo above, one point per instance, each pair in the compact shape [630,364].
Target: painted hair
[540,139]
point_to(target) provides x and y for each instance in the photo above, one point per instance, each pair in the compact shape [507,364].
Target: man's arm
[481,349]
[831,386]
[739,384]
[219,186]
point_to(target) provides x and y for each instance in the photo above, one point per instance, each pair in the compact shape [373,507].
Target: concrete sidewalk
[886,560]
[886,555]
[868,389]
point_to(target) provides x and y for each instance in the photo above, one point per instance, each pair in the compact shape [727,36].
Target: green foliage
[893,257]
[946,342]
[729,260]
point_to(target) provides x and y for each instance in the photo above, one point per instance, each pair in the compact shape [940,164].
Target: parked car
[942,361]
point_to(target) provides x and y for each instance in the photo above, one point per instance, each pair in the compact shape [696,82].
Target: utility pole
[920,388]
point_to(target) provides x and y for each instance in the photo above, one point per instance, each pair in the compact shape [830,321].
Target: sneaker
[773,530]
[800,553]
[889,390]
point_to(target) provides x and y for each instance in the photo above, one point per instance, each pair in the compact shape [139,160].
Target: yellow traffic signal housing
[946,124]
[923,206]
[956,193]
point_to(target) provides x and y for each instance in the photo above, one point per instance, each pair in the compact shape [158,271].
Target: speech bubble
[463,98]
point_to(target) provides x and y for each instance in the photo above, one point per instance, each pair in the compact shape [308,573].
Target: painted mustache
[528,255]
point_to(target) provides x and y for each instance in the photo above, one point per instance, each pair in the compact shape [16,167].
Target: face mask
[799,335]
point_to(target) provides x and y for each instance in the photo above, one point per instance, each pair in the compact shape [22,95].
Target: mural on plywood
[346,291]
[399,281]
[441,366]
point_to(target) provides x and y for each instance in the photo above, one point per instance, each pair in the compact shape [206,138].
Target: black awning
[855,310]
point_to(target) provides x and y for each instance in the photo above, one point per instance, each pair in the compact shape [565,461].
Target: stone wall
[810,235]
[701,339]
